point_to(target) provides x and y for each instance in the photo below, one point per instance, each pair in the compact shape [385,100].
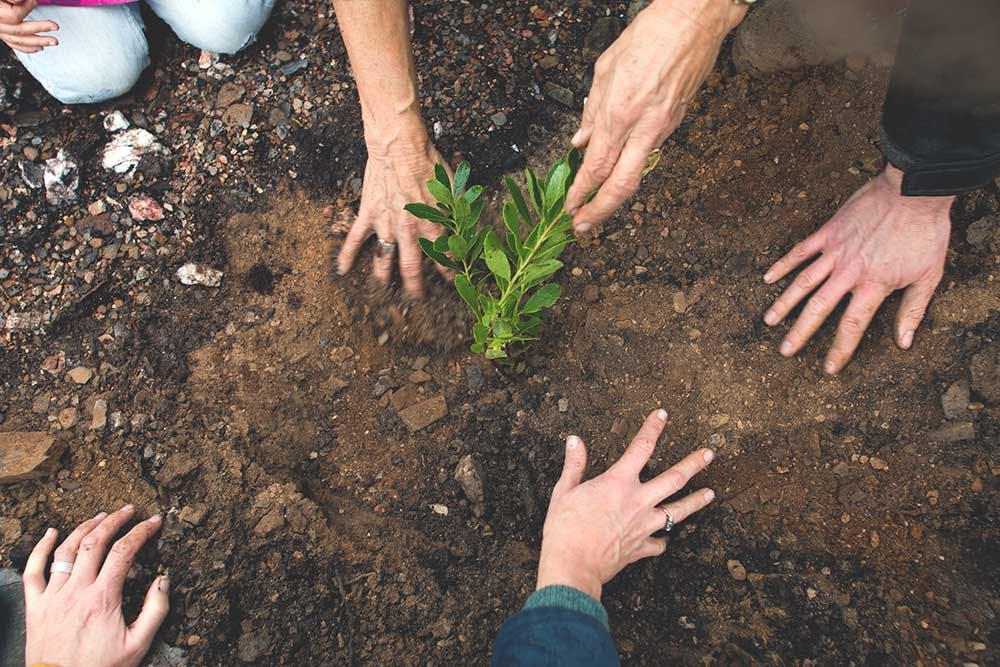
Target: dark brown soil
[265,405]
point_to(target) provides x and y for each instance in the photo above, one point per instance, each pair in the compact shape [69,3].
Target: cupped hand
[878,242]
[642,86]
[396,175]
[76,618]
[21,35]
[594,529]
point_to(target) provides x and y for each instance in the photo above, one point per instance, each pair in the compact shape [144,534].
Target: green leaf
[515,194]
[480,332]
[441,174]
[425,212]
[555,187]
[478,348]
[543,297]
[502,329]
[458,247]
[467,291]
[440,192]
[439,257]
[536,273]
[477,209]
[575,161]
[473,193]
[461,178]
[441,244]
[495,353]
[497,262]
[534,191]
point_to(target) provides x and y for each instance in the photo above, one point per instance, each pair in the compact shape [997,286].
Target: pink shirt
[84,3]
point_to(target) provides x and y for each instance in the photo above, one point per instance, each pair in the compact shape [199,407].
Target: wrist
[718,16]
[573,576]
[401,137]
[891,181]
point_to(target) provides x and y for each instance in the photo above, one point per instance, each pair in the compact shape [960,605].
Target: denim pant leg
[11,619]
[101,52]
[220,26]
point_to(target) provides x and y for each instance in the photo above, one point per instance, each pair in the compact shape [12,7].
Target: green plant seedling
[504,278]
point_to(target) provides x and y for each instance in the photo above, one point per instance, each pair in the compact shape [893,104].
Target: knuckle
[675,478]
[124,547]
[806,281]
[65,553]
[643,445]
[627,186]
[817,305]
[852,324]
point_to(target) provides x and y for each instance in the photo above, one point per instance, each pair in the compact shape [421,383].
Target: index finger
[411,258]
[34,27]
[123,552]
[676,478]
[643,444]
[622,184]
[91,553]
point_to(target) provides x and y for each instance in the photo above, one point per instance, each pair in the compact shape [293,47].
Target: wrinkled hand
[24,35]
[642,86]
[878,242]
[594,529]
[395,176]
[76,619]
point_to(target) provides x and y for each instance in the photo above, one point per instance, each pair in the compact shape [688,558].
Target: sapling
[503,278]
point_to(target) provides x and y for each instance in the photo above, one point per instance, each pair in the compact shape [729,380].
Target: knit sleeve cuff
[568,598]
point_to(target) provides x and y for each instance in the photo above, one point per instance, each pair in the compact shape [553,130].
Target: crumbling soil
[307,523]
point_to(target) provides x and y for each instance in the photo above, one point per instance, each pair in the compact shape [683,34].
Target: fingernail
[770,318]
[53,42]
[906,340]
[164,584]
[830,367]
[661,414]
[572,442]
[100,516]
[708,455]
[583,229]
[786,348]
[49,532]
[768,277]
[709,496]
[155,519]
[128,509]
[576,137]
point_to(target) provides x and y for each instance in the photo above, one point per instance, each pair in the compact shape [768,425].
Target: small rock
[62,179]
[27,455]
[10,530]
[229,94]
[469,476]
[177,467]
[32,174]
[81,374]
[981,231]
[875,539]
[955,400]
[238,115]
[985,368]
[563,96]
[680,303]
[199,274]
[718,421]
[40,404]
[294,66]
[68,417]
[97,208]
[126,149]
[438,508]
[54,363]
[736,570]
[100,415]
[878,463]
[419,377]
[563,404]
[145,208]
[193,514]
[115,122]
[499,119]
[954,432]
[424,413]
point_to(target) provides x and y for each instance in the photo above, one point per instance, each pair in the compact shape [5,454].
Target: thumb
[154,610]
[912,310]
[574,466]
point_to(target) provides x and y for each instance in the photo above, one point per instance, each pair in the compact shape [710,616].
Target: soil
[305,520]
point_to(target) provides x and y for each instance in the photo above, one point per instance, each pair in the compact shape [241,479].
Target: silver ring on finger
[669,525]
[385,248]
[61,567]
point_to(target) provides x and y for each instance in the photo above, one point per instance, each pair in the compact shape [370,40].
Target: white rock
[115,122]
[199,274]
[122,154]
[438,508]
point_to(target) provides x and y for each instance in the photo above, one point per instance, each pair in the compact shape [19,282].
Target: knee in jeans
[222,34]
[104,84]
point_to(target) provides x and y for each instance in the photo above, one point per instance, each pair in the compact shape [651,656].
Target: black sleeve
[553,637]
[941,118]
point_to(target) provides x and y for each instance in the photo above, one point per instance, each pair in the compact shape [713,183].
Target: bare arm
[400,155]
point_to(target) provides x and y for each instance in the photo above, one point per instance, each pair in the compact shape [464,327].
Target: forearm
[377,36]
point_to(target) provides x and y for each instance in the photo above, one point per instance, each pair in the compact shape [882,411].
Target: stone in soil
[115,122]
[126,149]
[27,455]
[423,414]
[144,207]
[229,94]
[62,179]
[238,115]
[954,432]
[177,467]
[736,570]
[559,93]
[81,374]
[100,415]
[469,476]
[199,274]
[955,400]
[985,369]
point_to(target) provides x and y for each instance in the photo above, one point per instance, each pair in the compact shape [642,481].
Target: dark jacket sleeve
[941,119]
[558,627]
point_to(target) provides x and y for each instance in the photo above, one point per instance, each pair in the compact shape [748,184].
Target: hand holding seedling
[501,279]
[878,242]
[21,35]
[642,86]
[594,529]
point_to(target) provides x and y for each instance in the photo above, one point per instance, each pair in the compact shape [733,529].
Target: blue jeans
[103,50]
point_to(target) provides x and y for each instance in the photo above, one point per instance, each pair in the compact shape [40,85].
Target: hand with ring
[76,617]
[394,178]
[594,529]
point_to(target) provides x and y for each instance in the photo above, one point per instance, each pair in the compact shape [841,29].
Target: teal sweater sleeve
[568,598]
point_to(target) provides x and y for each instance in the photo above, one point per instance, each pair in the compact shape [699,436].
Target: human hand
[594,529]
[642,86]
[76,619]
[878,242]
[24,35]
[396,175]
